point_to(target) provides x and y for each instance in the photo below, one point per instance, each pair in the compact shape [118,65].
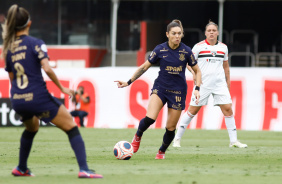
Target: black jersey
[172,65]
[24,61]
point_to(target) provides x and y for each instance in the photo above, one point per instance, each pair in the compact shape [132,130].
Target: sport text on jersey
[174,70]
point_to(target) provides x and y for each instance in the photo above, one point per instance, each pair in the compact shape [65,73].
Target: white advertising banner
[256,94]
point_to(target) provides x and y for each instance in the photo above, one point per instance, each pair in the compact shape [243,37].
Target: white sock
[231,128]
[184,122]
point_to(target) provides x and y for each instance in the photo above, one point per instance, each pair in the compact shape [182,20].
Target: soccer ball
[123,150]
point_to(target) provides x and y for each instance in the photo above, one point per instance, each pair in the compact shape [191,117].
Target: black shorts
[44,108]
[174,99]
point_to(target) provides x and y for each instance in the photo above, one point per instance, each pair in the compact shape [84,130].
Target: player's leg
[31,128]
[184,122]
[192,111]
[222,97]
[154,107]
[172,119]
[231,126]
[64,121]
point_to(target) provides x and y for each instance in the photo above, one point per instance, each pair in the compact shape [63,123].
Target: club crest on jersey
[181,57]
[213,53]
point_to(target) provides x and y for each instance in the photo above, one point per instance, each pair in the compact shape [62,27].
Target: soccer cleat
[17,172]
[160,155]
[136,143]
[176,143]
[237,144]
[88,174]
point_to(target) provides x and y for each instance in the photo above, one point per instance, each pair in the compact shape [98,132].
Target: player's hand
[68,91]
[121,84]
[197,96]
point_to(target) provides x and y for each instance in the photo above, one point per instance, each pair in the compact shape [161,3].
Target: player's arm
[141,69]
[192,72]
[48,70]
[227,73]
[198,74]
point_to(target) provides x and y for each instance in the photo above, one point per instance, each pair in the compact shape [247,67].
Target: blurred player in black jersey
[170,87]
[24,57]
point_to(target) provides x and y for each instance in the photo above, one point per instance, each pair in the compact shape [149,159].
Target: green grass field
[203,158]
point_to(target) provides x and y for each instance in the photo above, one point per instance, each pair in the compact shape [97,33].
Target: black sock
[26,143]
[167,139]
[144,125]
[78,147]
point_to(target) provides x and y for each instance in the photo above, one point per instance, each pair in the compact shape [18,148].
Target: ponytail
[17,19]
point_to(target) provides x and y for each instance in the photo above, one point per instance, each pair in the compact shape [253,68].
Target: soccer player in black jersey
[170,86]
[24,57]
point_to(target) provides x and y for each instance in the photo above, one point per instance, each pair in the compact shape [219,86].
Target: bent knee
[171,128]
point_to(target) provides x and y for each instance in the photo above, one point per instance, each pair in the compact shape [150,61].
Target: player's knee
[73,132]
[171,128]
[148,121]
[228,112]
[193,110]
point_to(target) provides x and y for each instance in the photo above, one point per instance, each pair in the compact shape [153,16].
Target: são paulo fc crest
[213,53]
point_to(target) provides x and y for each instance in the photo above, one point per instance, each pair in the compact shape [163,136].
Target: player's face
[174,35]
[211,32]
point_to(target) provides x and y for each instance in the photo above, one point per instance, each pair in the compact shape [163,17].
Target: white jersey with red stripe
[210,60]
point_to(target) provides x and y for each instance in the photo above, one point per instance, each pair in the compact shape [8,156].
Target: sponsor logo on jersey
[183,51]
[172,91]
[152,55]
[25,96]
[163,50]
[173,69]
[192,59]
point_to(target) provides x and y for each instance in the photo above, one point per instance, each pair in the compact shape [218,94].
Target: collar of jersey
[21,36]
[209,43]
[175,48]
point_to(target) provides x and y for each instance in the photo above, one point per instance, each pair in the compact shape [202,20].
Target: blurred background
[250,28]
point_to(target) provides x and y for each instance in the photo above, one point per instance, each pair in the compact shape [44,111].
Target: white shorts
[221,95]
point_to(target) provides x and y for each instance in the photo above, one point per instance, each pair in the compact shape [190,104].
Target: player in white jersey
[212,57]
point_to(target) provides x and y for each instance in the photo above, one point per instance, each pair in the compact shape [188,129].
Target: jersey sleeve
[40,49]
[153,57]
[195,51]
[191,59]
[226,55]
